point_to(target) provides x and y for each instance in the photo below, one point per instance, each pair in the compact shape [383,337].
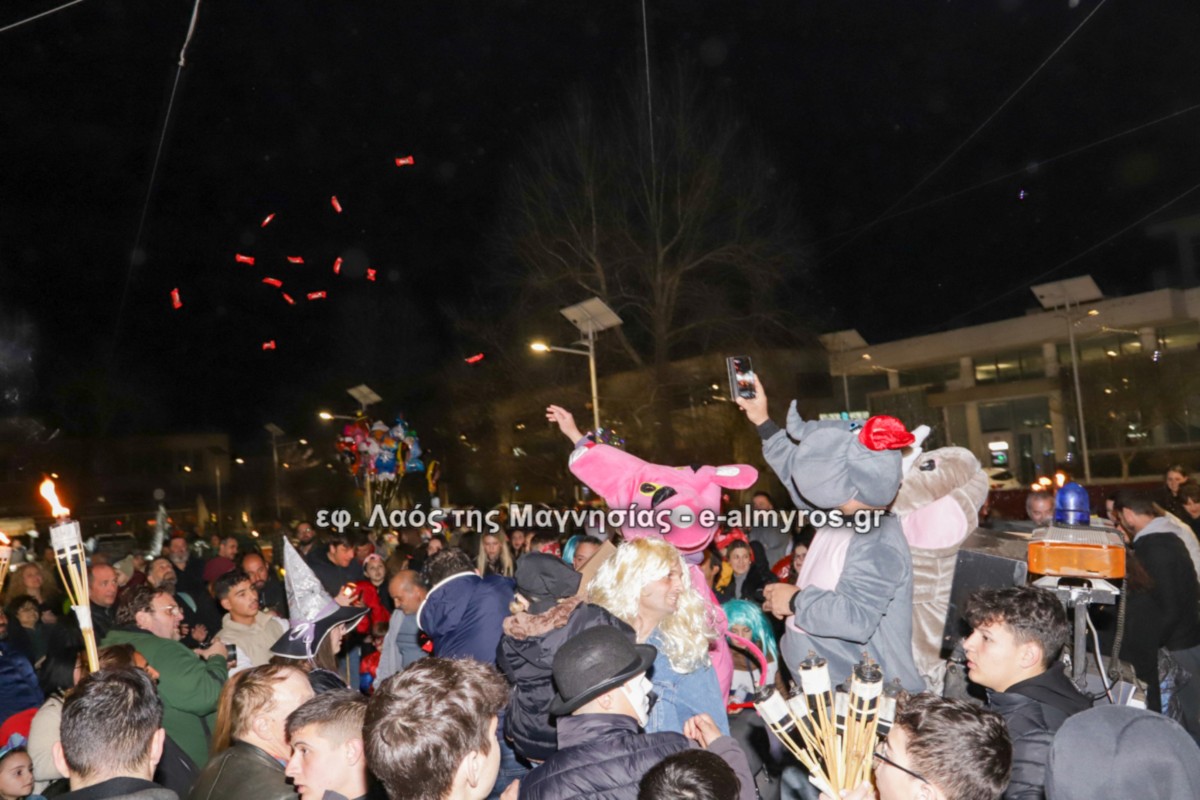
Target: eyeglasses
[173,611]
[879,756]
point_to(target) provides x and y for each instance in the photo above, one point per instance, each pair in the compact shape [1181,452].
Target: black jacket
[525,655]
[245,772]
[600,757]
[752,587]
[605,756]
[1033,710]
[1175,587]
[103,620]
[122,788]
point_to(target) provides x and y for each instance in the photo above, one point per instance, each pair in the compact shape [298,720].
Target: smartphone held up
[741,378]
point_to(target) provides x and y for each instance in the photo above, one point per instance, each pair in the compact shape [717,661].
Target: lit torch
[67,540]
[5,557]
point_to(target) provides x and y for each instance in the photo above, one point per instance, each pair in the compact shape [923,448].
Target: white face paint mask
[637,692]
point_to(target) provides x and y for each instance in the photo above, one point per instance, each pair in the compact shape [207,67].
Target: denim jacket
[680,697]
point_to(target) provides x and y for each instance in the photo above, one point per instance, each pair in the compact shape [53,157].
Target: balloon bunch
[375,452]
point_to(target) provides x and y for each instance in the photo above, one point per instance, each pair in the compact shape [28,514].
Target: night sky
[284,103]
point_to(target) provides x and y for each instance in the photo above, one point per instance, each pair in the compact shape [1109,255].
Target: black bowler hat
[593,662]
[543,580]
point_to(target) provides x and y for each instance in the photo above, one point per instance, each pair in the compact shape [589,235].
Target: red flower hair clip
[885,433]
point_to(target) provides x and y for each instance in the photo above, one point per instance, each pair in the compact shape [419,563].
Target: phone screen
[741,377]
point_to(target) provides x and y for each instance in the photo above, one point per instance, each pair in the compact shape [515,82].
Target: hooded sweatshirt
[1033,710]
[253,641]
[1119,753]
[464,614]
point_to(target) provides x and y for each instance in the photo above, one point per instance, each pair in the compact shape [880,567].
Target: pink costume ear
[733,476]
[611,473]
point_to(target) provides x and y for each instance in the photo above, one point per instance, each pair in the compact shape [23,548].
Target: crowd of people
[541,664]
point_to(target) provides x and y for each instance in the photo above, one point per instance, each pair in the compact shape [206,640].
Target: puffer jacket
[464,615]
[525,657]
[20,686]
[600,757]
[1034,710]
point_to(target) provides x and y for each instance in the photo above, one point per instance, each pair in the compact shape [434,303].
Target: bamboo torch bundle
[832,733]
[5,557]
[67,540]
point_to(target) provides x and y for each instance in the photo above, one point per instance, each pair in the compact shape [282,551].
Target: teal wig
[743,612]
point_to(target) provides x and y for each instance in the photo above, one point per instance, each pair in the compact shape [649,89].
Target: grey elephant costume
[869,609]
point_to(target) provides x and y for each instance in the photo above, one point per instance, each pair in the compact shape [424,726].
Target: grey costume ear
[795,425]
[798,428]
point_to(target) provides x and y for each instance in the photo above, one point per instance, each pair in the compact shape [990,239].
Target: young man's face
[583,552]
[228,549]
[1192,507]
[341,554]
[491,768]
[891,781]
[993,656]
[241,602]
[319,765]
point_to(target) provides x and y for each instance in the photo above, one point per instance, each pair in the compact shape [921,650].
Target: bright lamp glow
[325,415]
[539,347]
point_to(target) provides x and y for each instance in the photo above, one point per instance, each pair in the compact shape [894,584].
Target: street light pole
[591,343]
[1087,464]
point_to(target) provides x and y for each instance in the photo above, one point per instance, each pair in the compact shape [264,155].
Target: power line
[19,23]
[1067,262]
[970,137]
[137,240]
[1039,163]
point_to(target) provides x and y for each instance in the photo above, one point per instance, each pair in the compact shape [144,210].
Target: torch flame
[47,491]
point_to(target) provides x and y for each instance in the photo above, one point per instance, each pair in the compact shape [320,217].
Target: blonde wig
[687,634]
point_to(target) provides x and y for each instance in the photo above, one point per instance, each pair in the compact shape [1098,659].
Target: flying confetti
[475,359]
[1021,195]
[175,301]
[267,221]
[289,299]
[370,274]
[269,345]
[241,259]
[407,161]
[273,282]
[337,267]
[336,205]
[295,259]
[316,295]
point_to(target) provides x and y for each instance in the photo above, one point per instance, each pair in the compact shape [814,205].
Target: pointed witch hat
[313,612]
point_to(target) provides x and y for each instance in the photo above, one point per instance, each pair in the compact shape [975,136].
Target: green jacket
[188,685]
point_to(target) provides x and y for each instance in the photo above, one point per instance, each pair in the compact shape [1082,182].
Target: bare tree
[1131,399]
[688,240]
